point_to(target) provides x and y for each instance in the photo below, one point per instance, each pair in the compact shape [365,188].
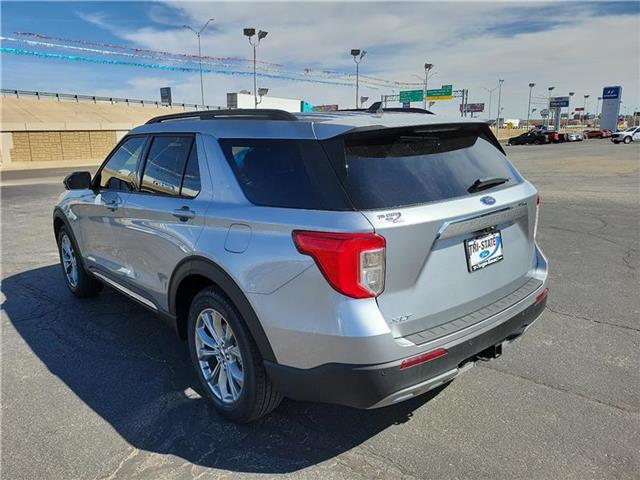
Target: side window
[120,171]
[165,164]
[191,181]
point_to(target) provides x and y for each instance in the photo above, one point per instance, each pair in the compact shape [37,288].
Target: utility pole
[249,33]
[500,82]
[595,120]
[531,85]
[357,58]
[198,33]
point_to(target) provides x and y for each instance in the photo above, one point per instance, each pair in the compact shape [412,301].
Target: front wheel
[627,140]
[81,283]
[227,359]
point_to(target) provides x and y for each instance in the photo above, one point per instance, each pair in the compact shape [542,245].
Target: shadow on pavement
[135,373]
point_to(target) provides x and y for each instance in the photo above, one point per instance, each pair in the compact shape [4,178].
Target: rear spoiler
[482,126]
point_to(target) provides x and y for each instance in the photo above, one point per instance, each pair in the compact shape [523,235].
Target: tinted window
[120,171]
[191,181]
[165,164]
[401,167]
[285,173]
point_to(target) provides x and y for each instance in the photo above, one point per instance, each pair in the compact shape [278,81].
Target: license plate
[484,250]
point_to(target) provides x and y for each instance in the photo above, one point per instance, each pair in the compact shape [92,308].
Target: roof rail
[241,113]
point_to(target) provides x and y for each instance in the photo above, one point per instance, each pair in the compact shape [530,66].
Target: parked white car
[627,136]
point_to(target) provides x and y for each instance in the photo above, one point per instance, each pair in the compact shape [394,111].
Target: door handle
[184,213]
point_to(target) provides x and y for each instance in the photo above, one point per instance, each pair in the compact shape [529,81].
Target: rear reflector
[422,358]
[542,295]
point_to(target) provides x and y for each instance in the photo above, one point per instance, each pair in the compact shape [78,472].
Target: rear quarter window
[285,173]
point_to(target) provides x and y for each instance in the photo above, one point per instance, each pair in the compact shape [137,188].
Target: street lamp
[427,67]
[584,109]
[261,93]
[490,96]
[198,33]
[357,57]
[500,82]
[595,120]
[249,33]
[531,85]
[549,106]
[571,94]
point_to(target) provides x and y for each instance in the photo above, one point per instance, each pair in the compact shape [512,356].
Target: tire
[627,140]
[536,142]
[257,395]
[616,141]
[78,280]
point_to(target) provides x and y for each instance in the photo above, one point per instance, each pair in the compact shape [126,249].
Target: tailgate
[457,217]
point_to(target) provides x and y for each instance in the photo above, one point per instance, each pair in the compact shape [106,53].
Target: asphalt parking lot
[100,389]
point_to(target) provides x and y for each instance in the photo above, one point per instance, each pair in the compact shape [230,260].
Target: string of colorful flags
[51,47]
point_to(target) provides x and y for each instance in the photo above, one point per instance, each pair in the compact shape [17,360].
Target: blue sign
[406,104]
[559,102]
[610,92]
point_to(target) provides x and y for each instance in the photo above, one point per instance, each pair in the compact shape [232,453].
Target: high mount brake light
[352,263]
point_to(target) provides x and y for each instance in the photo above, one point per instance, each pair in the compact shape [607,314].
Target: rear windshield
[401,167]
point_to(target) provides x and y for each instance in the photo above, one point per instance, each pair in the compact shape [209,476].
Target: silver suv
[359,258]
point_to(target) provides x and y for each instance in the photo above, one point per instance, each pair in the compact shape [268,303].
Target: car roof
[305,125]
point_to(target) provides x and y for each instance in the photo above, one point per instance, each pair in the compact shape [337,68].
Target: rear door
[452,248]
[164,218]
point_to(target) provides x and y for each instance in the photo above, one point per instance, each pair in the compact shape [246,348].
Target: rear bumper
[372,386]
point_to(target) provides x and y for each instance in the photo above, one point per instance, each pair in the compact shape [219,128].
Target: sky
[573,46]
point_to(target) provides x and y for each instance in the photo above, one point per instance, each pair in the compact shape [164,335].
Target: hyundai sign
[559,102]
[611,92]
[611,99]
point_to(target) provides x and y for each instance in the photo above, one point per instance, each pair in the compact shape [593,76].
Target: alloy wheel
[69,261]
[219,356]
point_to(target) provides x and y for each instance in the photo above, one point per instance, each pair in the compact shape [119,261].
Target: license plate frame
[475,249]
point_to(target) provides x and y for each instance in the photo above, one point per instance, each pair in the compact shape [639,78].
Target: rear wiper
[484,183]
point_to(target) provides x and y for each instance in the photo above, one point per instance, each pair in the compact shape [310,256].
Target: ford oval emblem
[488,200]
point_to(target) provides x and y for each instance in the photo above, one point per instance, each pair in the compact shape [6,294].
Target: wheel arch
[195,273]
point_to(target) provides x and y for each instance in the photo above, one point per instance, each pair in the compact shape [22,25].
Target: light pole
[571,94]
[198,33]
[584,109]
[249,33]
[427,67]
[357,57]
[531,85]
[549,106]
[261,93]
[595,120]
[490,96]
[500,82]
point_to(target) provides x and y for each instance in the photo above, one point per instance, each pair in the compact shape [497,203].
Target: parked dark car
[535,137]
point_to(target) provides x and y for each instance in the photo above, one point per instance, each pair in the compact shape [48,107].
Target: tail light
[352,263]
[535,223]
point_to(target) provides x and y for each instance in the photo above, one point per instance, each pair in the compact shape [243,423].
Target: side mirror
[77,181]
